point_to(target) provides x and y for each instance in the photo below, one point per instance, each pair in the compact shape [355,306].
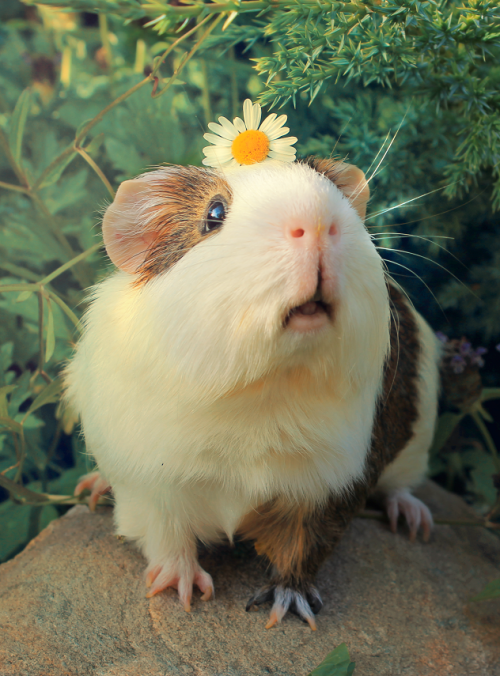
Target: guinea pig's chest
[270,440]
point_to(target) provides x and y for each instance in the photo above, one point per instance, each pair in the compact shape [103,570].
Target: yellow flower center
[250,147]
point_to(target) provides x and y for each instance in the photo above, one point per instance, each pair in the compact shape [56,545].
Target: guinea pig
[251,370]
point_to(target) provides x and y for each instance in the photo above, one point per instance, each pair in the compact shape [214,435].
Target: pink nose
[309,233]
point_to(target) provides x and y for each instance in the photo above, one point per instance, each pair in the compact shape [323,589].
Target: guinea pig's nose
[308,233]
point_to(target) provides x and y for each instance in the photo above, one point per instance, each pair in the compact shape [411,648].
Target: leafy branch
[45,294]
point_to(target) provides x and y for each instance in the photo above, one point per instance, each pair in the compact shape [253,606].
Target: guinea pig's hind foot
[97,486]
[180,575]
[415,512]
[305,603]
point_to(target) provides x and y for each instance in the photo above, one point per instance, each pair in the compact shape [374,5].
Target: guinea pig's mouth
[311,315]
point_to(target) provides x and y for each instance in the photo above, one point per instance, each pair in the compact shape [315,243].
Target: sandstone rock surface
[73,604]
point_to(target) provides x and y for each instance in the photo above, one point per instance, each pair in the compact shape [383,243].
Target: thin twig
[4,142]
[188,56]
[18,271]
[40,330]
[97,170]
[50,453]
[66,266]
[16,188]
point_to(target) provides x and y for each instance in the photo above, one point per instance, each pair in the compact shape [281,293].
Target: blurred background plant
[104,89]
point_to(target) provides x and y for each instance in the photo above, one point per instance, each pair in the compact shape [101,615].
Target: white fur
[195,402]
[410,466]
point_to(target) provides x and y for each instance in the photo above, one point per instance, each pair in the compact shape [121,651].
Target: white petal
[277,133]
[279,156]
[214,162]
[217,151]
[256,115]
[278,122]
[239,124]
[217,140]
[229,128]
[288,141]
[285,150]
[223,132]
[248,113]
[267,122]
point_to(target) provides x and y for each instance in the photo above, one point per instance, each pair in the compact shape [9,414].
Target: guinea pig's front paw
[415,512]
[305,603]
[180,573]
[96,484]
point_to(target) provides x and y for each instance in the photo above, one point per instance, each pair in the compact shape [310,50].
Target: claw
[273,619]
[181,575]
[152,575]
[262,596]
[96,484]
[303,604]
[415,512]
[312,623]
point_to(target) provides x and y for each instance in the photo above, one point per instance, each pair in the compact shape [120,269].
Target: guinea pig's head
[250,271]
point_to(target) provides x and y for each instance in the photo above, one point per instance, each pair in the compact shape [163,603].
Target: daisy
[245,142]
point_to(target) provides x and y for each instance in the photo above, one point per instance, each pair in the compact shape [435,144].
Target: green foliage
[57,150]
[336,663]
[407,90]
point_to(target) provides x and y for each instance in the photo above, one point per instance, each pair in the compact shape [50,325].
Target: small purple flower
[465,348]
[476,356]
[444,339]
[459,363]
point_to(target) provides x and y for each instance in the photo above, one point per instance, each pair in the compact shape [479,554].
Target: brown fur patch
[335,170]
[330,168]
[184,196]
[296,539]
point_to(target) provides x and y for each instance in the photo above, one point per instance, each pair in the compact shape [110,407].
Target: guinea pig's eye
[215,216]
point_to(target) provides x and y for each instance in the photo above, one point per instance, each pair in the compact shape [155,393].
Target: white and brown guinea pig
[249,370]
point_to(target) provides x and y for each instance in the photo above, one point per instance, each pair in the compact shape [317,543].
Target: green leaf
[95,143]
[4,391]
[48,395]
[490,393]
[67,311]
[24,295]
[17,123]
[491,591]
[55,169]
[50,341]
[11,425]
[32,423]
[22,392]
[16,521]
[446,424]
[336,663]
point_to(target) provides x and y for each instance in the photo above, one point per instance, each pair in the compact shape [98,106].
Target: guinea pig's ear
[126,239]
[349,179]
[352,182]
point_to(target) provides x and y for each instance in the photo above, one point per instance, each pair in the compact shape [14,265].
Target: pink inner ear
[129,254]
[126,241]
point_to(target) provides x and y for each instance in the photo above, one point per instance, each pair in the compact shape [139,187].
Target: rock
[73,603]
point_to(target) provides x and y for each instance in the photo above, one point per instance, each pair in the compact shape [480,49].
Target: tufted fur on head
[186,368]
